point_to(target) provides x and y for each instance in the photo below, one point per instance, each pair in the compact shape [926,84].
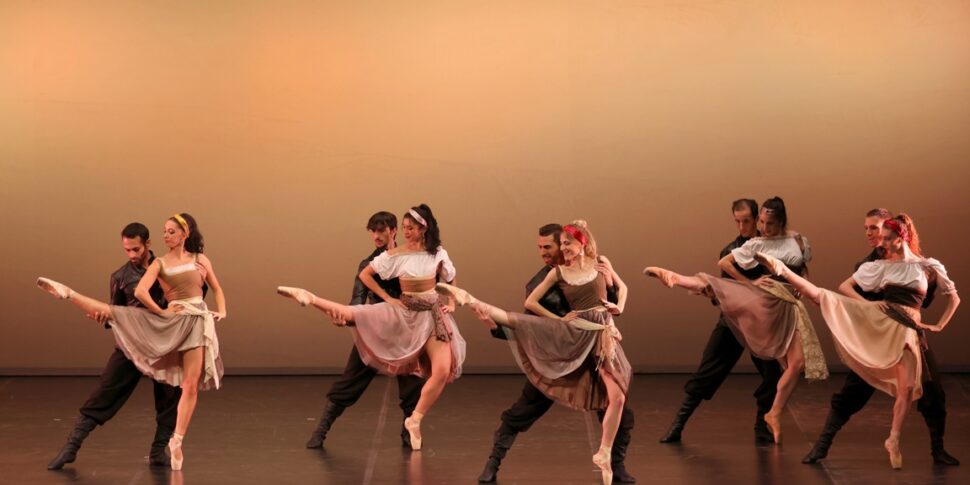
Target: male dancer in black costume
[532,404]
[856,392]
[723,349]
[357,375]
[120,376]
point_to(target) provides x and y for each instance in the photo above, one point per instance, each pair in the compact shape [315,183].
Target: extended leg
[786,385]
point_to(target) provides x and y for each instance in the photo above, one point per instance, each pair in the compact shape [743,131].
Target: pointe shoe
[774,425]
[664,275]
[175,450]
[771,263]
[602,460]
[414,429]
[461,296]
[895,456]
[60,291]
[303,297]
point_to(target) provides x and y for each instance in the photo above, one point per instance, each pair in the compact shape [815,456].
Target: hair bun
[579,223]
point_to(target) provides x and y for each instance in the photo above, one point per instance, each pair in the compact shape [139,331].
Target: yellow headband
[185,225]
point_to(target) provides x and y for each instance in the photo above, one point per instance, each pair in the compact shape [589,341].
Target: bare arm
[145,284]
[952,302]
[210,278]
[532,301]
[847,288]
[621,288]
[367,276]
[727,265]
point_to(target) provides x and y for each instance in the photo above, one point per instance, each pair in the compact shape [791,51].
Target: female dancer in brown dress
[576,360]
[177,345]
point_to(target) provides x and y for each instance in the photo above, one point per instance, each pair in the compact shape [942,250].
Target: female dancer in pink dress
[414,335]
[177,345]
[765,315]
[880,341]
[575,360]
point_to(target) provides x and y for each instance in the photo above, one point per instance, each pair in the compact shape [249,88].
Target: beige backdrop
[283,125]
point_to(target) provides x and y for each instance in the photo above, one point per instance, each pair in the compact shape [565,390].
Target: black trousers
[856,392]
[533,404]
[357,376]
[720,356]
[118,381]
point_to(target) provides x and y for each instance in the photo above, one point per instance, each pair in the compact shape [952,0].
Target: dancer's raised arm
[145,284]
[367,276]
[847,288]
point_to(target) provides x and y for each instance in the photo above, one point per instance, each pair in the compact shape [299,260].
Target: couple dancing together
[574,359]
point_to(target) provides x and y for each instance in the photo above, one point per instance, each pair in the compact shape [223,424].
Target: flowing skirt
[764,320]
[392,340]
[870,342]
[154,343]
[568,361]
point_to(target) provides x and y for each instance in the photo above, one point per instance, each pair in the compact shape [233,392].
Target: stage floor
[253,430]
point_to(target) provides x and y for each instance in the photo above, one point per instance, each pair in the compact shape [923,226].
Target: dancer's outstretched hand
[611,307]
[99,317]
[336,318]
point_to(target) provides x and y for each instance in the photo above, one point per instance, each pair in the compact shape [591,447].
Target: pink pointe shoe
[771,263]
[58,290]
[895,456]
[602,460]
[414,429]
[175,450]
[774,425]
[461,296]
[303,297]
[664,275]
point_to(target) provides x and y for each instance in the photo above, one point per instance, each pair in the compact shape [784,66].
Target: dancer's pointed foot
[771,263]
[303,297]
[895,456]
[774,425]
[413,425]
[175,449]
[461,296]
[664,275]
[602,460]
[58,290]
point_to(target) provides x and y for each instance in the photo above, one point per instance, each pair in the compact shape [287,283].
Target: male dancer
[723,349]
[856,392]
[532,404]
[357,375]
[120,376]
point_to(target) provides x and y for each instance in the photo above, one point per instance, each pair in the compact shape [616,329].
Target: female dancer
[177,345]
[764,314]
[880,340]
[576,360]
[413,335]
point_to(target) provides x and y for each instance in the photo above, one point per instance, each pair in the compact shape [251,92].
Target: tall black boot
[762,435]
[820,449]
[503,441]
[330,414]
[937,427]
[68,454]
[618,457]
[683,414]
[157,455]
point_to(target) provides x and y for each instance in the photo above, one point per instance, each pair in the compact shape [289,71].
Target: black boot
[330,414]
[940,457]
[68,454]
[762,435]
[157,455]
[618,457]
[821,447]
[683,414]
[503,441]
